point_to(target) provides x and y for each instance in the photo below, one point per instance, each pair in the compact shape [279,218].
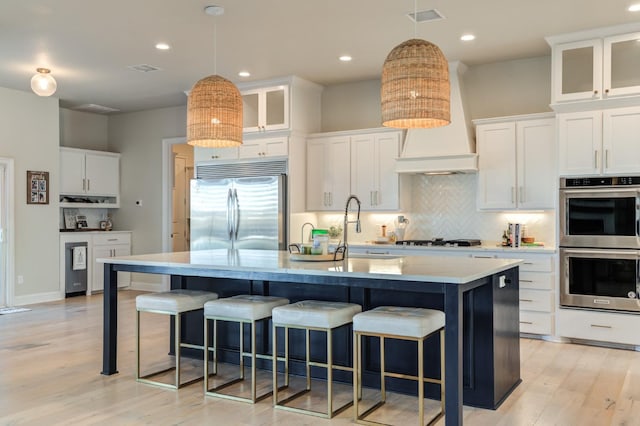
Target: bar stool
[243,309]
[310,315]
[414,324]
[174,303]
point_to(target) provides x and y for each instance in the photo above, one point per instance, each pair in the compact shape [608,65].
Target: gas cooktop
[440,242]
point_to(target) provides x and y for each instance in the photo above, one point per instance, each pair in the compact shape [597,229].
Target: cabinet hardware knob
[606,91]
[595,92]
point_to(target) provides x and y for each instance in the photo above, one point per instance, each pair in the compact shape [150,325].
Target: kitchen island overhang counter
[479,298]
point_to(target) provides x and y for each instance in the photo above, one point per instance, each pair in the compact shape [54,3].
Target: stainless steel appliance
[601,279]
[600,212]
[600,243]
[75,269]
[245,211]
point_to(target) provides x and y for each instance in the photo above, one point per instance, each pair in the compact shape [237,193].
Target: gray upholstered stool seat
[415,324]
[174,303]
[310,315]
[242,309]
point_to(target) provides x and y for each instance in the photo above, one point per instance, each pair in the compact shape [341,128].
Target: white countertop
[443,269]
[480,248]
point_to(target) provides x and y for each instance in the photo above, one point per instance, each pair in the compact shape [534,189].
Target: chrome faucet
[347,222]
[302,231]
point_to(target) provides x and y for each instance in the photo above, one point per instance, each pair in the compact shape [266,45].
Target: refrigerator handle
[236,214]
[229,213]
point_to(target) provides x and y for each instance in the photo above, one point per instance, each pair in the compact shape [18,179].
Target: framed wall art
[37,187]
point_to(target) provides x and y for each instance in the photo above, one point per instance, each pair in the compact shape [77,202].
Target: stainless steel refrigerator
[240,213]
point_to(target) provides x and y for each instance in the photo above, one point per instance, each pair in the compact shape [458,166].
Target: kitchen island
[479,298]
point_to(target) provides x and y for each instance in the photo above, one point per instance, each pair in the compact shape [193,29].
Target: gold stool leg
[442,362]
[274,365]
[421,380]
[241,350]
[307,346]
[177,348]
[356,374]
[253,360]
[137,344]
[205,343]
[383,387]
[329,374]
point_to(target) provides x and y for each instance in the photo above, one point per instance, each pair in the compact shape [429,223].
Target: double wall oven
[600,243]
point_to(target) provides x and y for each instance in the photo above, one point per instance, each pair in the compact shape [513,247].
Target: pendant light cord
[415,18]
[215,45]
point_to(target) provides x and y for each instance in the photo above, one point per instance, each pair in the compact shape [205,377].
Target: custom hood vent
[442,150]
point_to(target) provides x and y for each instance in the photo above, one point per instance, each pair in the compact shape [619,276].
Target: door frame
[167,196]
[7,191]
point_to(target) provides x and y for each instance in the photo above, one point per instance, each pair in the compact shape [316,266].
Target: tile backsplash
[445,206]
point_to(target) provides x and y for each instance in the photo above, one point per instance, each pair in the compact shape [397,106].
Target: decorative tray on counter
[296,255]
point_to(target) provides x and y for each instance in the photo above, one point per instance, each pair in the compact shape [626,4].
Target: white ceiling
[88,44]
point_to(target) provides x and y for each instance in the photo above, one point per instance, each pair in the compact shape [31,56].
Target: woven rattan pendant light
[415,88]
[214,109]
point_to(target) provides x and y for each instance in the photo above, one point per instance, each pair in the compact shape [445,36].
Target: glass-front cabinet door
[621,65]
[265,109]
[577,69]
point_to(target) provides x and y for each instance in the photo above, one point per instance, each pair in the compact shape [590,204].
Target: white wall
[515,87]
[29,133]
[84,130]
[351,106]
[138,137]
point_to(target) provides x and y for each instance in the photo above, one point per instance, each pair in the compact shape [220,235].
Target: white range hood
[448,149]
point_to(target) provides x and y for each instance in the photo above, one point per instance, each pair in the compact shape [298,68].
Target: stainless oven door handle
[608,253]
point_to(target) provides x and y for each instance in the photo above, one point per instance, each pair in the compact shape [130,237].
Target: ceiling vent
[426,16]
[94,108]
[144,68]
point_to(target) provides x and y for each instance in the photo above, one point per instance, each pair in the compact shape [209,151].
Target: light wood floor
[50,359]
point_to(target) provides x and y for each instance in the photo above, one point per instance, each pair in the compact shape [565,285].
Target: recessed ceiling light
[634,8]
[244,74]
[345,58]
[163,46]
[467,37]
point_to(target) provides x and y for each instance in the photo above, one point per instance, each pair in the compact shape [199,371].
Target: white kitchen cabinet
[595,69]
[100,244]
[603,142]
[328,173]
[265,109]
[373,177]
[201,154]
[93,175]
[537,290]
[264,147]
[599,326]
[516,163]
[249,150]
[109,245]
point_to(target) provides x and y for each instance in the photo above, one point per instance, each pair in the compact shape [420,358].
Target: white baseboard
[144,286]
[31,299]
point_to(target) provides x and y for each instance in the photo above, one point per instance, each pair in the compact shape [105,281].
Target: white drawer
[599,326]
[536,322]
[110,238]
[536,300]
[537,264]
[536,280]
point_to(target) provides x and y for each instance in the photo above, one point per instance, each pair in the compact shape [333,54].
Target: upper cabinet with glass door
[265,109]
[600,68]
